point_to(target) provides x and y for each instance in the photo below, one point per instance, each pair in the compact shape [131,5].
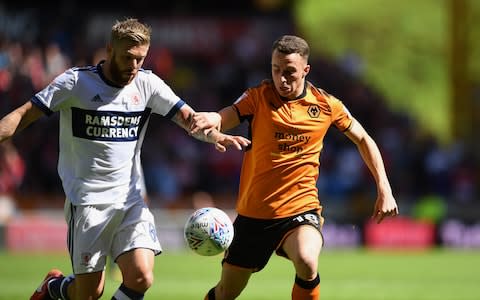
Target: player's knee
[145,281]
[306,265]
[139,281]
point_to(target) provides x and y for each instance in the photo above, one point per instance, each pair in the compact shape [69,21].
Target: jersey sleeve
[245,104]
[51,98]
[341,117]
[163,100]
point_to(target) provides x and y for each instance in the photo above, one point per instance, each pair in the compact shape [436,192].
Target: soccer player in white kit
[104,112]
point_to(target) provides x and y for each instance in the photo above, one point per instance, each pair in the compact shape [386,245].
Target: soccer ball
[208,231]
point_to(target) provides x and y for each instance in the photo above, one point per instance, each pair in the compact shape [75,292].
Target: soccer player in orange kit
[278,206]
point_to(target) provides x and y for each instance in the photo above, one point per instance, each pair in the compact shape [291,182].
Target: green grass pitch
[345,275]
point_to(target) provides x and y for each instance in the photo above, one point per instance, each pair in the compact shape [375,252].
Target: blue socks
[57,288]
[124,293]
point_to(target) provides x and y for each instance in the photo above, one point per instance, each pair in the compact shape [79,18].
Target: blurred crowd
[177,166]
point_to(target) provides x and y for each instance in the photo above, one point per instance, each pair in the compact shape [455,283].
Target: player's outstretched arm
[18,119]
[224,120]
[205,121]
[184,118]
[385,204]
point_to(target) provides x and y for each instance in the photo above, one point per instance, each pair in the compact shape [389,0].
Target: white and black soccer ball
[208,231]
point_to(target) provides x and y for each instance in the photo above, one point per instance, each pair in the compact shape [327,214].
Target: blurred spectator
[55,62]
[12,168]
[12,171]
[430,208]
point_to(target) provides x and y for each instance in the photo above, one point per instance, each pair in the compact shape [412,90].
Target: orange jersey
[281,166]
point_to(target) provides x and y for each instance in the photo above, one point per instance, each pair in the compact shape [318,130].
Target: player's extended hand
[225,140]
[205,121]
[385,206]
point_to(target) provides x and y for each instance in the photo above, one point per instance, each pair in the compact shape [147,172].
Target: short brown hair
[132,30]
[289,44]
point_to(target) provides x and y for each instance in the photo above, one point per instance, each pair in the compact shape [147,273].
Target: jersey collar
[104,78]
[302,95]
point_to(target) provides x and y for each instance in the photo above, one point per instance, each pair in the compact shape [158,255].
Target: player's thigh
[136,231]
[232,282]
[88,285]
[303,246]
[137,263]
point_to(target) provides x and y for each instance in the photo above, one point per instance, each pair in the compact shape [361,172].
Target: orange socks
[306,290]
[302,290]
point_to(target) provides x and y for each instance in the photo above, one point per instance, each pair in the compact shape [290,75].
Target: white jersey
[102,128]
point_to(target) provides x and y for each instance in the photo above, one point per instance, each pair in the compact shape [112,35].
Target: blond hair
[131,30]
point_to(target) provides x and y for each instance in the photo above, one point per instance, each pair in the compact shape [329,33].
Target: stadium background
[409,73]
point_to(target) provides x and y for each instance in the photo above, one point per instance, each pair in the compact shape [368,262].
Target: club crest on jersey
[86,258]
[131,100]
[135,100]
[313,111]
[107,125]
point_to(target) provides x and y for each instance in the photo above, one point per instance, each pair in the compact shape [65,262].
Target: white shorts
[98,231]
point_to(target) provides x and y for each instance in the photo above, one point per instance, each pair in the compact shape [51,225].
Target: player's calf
[210,295]
[303,290]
